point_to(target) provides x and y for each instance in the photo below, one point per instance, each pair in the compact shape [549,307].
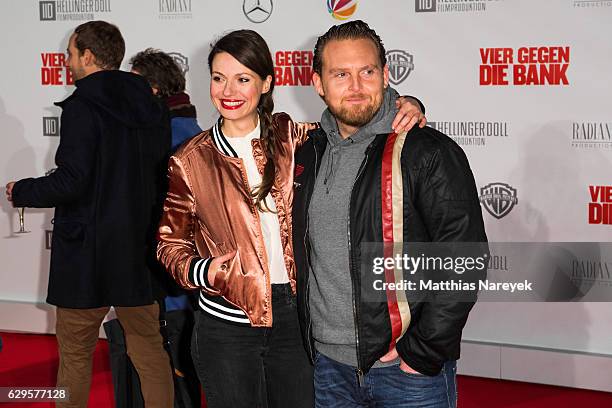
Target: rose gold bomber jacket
[209,211]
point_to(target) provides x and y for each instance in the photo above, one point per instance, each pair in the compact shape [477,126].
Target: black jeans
[254,366]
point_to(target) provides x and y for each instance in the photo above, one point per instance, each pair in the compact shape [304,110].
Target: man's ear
[318,84]
[88,57]
[266,85]
[386,75]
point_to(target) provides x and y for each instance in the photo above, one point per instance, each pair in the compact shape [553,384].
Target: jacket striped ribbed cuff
[198,273]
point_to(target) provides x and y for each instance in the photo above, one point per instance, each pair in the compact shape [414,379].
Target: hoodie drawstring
[329,168]
[332,163]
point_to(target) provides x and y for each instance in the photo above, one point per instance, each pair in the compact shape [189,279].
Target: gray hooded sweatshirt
[331,297]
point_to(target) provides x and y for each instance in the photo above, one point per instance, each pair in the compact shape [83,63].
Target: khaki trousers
[77,335]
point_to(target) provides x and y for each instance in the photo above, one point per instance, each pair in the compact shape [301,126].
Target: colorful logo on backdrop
[498,199]
[400,65]
[452,6]
[471,133]
[54,70]
[181,60]
[293,68]
[600,207]
[341,9]
[592,135]
[72,10]
[257,11]
[524,66]
[174,9]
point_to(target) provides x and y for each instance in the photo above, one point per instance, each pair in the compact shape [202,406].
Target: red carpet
[29,360]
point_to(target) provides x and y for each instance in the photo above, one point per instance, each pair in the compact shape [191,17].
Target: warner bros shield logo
[498,199]
[400,65]
[181,60]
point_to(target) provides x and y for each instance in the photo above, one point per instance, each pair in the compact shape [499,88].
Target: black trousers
[176,329]
[254,366]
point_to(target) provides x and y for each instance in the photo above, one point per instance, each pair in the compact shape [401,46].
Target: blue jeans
[336,385]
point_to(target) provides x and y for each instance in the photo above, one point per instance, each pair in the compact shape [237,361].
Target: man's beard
[77,73]
[358,115]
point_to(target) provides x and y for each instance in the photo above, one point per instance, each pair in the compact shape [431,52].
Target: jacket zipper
[309,327]
[255,212]
[359,372]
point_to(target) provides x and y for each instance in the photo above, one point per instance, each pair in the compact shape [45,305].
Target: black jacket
[439,203]
[107,192]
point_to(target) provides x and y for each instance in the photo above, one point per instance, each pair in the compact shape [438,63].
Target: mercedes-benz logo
[257,11]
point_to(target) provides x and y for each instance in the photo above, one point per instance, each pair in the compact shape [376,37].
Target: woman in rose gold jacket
[226,232]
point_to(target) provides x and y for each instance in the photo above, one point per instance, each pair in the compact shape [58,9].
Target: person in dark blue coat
[167,80]
[107,192]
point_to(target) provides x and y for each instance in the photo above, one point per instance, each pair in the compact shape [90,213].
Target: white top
[270,227]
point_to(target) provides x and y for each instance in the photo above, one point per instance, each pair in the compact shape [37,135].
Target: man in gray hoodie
[330,297]
[357,181]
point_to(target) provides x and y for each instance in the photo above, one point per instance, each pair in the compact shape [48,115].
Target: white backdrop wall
[548,147]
